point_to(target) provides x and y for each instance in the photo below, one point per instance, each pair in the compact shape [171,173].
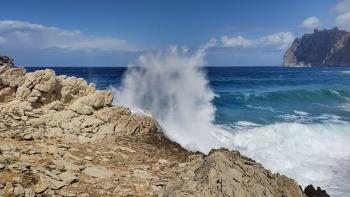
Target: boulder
[310,191]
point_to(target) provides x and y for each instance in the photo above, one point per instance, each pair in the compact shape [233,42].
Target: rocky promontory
[321,48]
[59,136]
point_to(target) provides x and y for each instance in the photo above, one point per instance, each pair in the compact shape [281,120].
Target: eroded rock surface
[62,137]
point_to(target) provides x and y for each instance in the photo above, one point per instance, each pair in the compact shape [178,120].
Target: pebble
[2,166]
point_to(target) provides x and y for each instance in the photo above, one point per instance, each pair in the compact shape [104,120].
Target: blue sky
[114,33]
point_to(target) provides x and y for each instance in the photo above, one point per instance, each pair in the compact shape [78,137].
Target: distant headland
[321,48]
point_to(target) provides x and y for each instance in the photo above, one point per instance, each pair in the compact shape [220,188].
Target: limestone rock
[227,173]
[68,177]
[13,77]
[322,48]
[41,187]
[98,172]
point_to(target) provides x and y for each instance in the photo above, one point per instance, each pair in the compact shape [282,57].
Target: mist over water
[312,148]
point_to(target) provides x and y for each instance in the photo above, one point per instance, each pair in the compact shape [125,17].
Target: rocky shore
[59,136]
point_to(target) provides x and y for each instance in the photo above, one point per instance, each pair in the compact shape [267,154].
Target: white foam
[345,72]
[301,113]
[261,108]
[344,107]
[308,153]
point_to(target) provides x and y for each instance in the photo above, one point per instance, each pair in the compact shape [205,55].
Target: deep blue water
[261,95]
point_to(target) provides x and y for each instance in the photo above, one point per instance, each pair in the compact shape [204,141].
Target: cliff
[62,137]
[321,48]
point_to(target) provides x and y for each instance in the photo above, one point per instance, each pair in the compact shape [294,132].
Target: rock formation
[62,137]
[322,48]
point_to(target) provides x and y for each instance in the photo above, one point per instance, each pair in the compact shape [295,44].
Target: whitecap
[301,113]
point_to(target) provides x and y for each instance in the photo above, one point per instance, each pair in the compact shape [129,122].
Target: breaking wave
[171,85]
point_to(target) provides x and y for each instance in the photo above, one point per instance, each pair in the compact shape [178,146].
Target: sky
[116,32]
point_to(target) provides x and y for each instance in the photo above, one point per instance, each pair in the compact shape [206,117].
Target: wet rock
[310,191]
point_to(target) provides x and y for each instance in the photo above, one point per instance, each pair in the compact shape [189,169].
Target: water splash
[171,85]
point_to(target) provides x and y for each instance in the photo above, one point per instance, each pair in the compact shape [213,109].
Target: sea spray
[171,85]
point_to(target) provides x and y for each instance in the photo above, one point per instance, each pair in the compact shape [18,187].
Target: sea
[295,121]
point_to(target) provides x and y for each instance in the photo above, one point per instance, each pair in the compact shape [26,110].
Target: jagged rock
[13,77]
[322,48]
[227,173]
[310,191]
[6,63]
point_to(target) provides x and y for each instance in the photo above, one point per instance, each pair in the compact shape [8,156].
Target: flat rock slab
[98,172]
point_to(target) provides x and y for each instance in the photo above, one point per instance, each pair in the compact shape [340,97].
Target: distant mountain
[321,48]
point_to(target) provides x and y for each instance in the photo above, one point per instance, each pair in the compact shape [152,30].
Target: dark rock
[310,191]
[321,48]
[5,60]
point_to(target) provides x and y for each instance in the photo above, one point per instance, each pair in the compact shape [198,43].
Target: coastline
[61,136]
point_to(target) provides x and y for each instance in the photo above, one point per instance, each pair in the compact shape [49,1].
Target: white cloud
[24,34]
[343,21]
[235,41]
[279,40]
[311,22]
[341,7]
